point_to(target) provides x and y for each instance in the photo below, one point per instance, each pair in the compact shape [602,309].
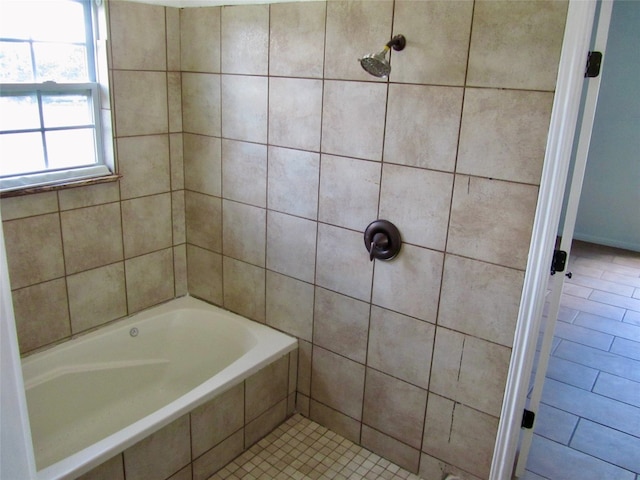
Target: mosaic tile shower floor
[300,449]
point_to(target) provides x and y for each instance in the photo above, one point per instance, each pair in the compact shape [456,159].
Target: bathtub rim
[273,344]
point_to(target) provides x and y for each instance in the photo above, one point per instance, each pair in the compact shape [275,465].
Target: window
[50,130]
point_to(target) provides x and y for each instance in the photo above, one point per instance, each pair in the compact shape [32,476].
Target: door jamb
[564,117]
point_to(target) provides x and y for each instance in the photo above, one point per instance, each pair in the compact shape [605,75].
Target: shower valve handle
[380,242]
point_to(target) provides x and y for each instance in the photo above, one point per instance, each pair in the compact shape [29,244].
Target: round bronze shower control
[382,240]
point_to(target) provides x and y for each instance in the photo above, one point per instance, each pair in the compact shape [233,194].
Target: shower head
[377,64]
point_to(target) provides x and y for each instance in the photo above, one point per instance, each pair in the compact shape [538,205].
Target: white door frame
[591,88]
[564,118]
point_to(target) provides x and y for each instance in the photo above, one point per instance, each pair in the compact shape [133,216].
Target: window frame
[102,168]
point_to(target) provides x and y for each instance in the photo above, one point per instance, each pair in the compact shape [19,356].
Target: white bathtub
[98,394]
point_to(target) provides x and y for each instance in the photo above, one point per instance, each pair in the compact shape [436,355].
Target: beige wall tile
[405,188]
[160,454]
[218,457]
[290,305]
[304,367]
[394,407]
[29,205]
[201,103]
[343,263]
[353,117]
[178,217]
[400,346]
[92,237]
[173,38]
[203,164]
[40,258]
[41,314]
[480,299]
[138,36]
[140,100]
[266,388]
[295,110]
[244,232]
[469,370]
[88,196]
[204,274]
[180,270]
[491,220]
[422,125]
[245,39]
[291,246]
[341,324]
[244,172]
[245,108]
[265,423]
[174,100]
[337,382]
[355,29]
[216,420]
[144,164]
[410,283]
[335,421]
[176,157]
[459,435]
[204,221]
[296,40]
[146,224]
[516,44]
[184,474]
[437,34]
[244,289]
[399,453]
[293,179]
[200,39]
[504,134]
[431,467]
[349,191]
[149,279]
[97,296]
[112,469]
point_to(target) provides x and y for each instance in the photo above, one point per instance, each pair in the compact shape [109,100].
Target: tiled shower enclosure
[255,151]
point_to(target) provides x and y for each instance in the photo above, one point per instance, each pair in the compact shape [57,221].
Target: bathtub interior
[134,384]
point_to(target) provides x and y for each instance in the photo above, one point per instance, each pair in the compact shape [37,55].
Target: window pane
[15,63]
[15,19]
[21,153]
[71,148]
[60,62]
[61,110]
[57,21]
[19,112]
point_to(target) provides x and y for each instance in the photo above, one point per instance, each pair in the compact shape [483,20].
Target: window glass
[59,110]
[58,151]
[19,112]
[21,153]
[50,121]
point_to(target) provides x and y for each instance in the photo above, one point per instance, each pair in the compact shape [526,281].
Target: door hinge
[559,261]
[594,60]
[528,417]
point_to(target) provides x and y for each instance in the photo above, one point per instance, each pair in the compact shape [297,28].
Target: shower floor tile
[300,449]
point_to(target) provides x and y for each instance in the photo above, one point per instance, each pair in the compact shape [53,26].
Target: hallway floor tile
[588,424]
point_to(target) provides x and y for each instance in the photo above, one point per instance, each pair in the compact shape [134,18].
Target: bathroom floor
[300,449]
[588,424]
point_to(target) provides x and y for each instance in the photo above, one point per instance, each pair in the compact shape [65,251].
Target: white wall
[609,211]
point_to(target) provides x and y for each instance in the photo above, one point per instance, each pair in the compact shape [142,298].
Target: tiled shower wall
[82,257]
[290,151]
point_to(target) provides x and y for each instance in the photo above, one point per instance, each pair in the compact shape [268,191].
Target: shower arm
[397,43]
